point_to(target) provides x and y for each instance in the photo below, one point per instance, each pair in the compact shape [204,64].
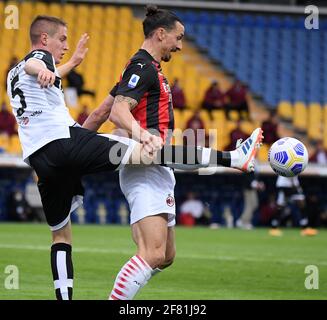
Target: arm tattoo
[131,102]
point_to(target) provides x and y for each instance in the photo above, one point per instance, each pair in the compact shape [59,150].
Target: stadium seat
[325,126]
[234,115]
[178,118]
[285,110]
[315,121]
[107,127]
[74,112]
[186,115]
[55,9]
[219,115]
[300,116]
[14,146]
[4,143]
[206,118]
[87,100]
[263,153]
[247,127]
[40,9]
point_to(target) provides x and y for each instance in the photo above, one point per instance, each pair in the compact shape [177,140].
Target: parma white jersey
[41,113]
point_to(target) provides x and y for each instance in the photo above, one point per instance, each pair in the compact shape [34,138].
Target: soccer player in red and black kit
[141,104]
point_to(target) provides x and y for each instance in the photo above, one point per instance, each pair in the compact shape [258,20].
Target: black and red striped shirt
[144,81]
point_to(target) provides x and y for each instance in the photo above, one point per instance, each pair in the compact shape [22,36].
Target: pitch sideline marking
[185,256]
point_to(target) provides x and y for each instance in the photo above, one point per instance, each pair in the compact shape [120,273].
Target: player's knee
[169,259]
[62,235]
[157,258]
[168,262]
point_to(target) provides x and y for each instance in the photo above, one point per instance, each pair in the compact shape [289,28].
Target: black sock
[304,218]
[222,158]
[276,219]
[62,270]
[190,158]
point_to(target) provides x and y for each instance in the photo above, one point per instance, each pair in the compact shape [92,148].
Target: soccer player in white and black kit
[58,149]
[141,103]
[289,191]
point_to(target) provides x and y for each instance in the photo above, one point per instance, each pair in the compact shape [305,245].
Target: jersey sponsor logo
[166,87]
[141,65]
[36,113]
[23,121]
[132,83]
[38,55]
[170,201]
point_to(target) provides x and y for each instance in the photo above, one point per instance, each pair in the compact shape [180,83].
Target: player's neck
[39,46]
[152,50]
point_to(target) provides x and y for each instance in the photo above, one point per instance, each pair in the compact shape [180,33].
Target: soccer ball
[288,157]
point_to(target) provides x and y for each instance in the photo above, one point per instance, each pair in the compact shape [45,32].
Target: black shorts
[61,163]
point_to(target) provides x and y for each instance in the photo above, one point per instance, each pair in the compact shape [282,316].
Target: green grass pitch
[210,264]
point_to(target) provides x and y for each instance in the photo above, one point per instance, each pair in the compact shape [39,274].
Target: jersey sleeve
[113,91]
[43,56]
[136,80]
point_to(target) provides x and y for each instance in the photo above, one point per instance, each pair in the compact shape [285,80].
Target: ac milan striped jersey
[144,81]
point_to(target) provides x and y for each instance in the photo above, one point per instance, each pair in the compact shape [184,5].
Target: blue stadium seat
[248,20]
[260,21]
[275,22]
[289,22]
[263,50]
[205,17]
[233,20]
[323,24]
[218,19]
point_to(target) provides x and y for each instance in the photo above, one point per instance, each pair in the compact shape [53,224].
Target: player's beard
[166,57]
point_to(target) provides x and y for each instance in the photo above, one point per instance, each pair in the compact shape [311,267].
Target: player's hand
[46,78]
[80,51]
[151,143]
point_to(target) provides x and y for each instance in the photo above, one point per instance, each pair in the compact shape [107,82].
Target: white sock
[234,158]
[205,161]
[131,278]
[155,271]
[65,295]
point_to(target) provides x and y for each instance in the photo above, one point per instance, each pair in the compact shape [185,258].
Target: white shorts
[149,190]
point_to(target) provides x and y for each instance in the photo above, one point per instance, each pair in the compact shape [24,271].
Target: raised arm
[77,57]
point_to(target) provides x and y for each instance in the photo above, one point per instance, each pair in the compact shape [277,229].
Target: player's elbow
[33,67]
[28,69]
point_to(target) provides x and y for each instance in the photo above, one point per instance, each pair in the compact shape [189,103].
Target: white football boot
[247,151]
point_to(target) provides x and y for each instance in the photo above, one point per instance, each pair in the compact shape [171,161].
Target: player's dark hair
[46,24]
[156,18]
